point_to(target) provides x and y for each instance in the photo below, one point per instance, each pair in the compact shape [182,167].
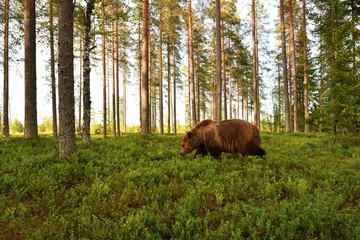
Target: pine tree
[86,74]
[6,127]
[145,113]
[67,144]
[218,90]
[31,128]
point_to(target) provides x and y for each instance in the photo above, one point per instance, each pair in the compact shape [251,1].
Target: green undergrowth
[139,187]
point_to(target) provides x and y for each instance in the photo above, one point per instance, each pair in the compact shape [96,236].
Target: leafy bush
[138,187]
[46,125]
[16,126]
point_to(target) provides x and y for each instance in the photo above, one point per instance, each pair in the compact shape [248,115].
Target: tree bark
[67,144]
[169,85]
[150,72]
[86,75]
[284,65]
[230,88]
[117,78]
[354,33]
[161,110]
[113,81]
[5,129]
[140,69]
[218,90]
[255,67]
[191,66]
[223,68]
[279,99]
[321,90]
[198,105]
[293,65]
[31,128]
[332,71]
[52,69]
[104,68]
[174,85]
[306,86]
[145,128]
[124,65]
[81,80]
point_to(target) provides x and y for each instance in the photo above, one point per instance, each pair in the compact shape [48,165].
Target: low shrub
[138,187]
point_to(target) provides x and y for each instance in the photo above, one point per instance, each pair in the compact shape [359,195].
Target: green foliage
[96,129]
[139,187]
[16,126]
[338,65]
[46,125]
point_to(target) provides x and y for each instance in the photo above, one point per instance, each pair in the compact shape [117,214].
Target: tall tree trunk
[150,74]
[6,72]
[52,70]
[188,100]
[139,69]
[255,67]
[67,144]
[354,34]
[284,65]
[191,66]
[198,104]
[145,128]
[186,113]
[150,79]
[108,98]
[174,84]
[237,101]
[113,81]
[104,68]
[86,75]
[321,90]
[81,79]
[161,109]
[230,87]
[306,86]
[218,90]
[332,70]
[293,64]
[279,99]
[246,105]
[31,128]
[169,85]
[223,67]
[117,78]
[124,73]
[242,105]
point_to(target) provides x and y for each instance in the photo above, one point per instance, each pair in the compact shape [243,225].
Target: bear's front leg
[213,147]
[201,150]
[216,153]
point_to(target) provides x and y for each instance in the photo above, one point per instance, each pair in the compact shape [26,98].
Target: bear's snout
[183,152]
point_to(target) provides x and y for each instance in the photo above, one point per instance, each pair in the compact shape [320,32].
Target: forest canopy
[302,74]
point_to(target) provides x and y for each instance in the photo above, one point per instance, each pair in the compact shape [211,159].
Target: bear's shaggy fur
[232,136]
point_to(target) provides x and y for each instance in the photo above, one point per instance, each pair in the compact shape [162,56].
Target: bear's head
[189,143]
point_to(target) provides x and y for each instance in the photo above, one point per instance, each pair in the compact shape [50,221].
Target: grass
[139,187]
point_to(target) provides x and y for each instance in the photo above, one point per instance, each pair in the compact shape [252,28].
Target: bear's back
[239,136]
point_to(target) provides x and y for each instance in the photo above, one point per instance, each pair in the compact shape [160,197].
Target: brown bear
[232,136]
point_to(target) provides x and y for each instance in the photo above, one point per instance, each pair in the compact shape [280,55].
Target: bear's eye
[182,145]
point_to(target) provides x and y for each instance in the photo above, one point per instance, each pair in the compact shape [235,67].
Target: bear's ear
[190,134]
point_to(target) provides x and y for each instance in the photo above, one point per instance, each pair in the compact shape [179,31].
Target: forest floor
[139,187]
